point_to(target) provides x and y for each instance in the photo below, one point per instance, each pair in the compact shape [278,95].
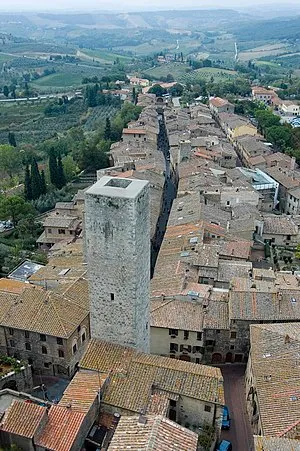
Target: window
[47,365]
[185,348]
[26,334]
[231,346]
[12,343]
[173,332]
[61,231]
[30,361]
[74,346]
[199,336]
[185,334]
[61,353]
[59,341]
[197,360]
[228,202]
[28,346]
[207,408]
[209,343]
[83,337]
[79,328]
[233,335]
[196,349]
[11,331]
[112,296]
[49,231]
[172,403]
[44,350]
[218,331]
[42,337]
[71,232]
[173,347]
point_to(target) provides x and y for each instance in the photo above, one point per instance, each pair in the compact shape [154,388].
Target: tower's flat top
[117,187]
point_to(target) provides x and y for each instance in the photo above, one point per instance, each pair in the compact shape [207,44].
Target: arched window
[74,346]
[83,335]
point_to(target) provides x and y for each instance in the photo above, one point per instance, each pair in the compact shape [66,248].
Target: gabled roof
[275,444]
[61,429]
[23,419]
[219,102]
[275,350]
[175,314]
[134,375]
[155,433]
[41,311]
[82,391]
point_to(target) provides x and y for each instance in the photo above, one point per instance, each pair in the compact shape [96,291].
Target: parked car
[224,445]
[226,418]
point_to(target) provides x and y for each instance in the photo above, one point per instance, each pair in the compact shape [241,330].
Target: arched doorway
[12,385]
[228,358]
[185,357]
[216,358]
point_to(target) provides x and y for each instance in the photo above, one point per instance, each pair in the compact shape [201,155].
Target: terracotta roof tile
[42,311]
[157,434]
[175,314]
[275,444]
[82,391]
[275,350]
[135,374]
[23,418]
[61,429]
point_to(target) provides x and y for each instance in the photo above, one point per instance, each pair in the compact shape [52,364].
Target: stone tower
[117,233]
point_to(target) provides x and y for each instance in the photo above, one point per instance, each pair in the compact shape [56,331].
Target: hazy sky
[127,5]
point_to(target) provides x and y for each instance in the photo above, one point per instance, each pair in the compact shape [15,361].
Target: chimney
[287,339]
[293,161]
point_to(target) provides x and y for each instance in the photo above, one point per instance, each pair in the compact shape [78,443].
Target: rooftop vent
[118,183]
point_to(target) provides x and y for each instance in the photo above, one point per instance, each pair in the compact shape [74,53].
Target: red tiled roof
[132,131]
[23,419]
[217,102]
[61,430]
[82,391]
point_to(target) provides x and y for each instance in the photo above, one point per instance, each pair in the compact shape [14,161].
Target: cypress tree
[107,130]
[43,183]
[35,180]
[53,167]
[27,184]
[61,178]
[12,139]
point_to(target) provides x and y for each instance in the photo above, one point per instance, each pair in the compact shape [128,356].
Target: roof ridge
[162,305]
[56,312]
[153,434]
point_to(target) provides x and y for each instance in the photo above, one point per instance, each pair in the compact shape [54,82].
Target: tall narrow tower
[117,233]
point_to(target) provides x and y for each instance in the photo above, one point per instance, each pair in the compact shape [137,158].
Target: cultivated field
[265,50]
[182,72]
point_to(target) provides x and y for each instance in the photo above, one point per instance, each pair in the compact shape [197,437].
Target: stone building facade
[117,226]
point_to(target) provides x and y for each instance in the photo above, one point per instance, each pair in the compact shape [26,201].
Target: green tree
[297,252]
[43,183]
[157,90]
[61,179]
[15,208]
[176,90]
[12,139]
[53,167]
[10,160]
[36,182]
[279,135]
[27,184]
[5,91]
[70,167]
[107,130]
